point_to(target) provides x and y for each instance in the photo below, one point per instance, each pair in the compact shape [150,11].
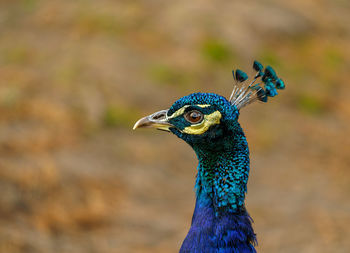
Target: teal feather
[220,222]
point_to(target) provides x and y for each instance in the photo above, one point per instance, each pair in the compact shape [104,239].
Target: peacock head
[206,118]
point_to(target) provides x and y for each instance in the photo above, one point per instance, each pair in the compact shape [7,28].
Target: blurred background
[76,75]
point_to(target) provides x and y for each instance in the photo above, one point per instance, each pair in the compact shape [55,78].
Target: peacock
[209,124]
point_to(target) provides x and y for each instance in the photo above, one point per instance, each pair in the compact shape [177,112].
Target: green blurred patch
[68,73]
[333,57]
[311,104]
[17,55]
[9,96]
[165,75]
[297,72]
[119,116]
[269,57]
[216,51]
[29,5]
[90,22]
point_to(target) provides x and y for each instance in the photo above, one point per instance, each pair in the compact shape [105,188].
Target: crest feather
[246,93]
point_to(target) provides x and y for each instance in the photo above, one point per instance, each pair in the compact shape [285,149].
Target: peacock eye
[194,116]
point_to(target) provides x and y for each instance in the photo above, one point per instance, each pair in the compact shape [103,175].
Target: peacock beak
[158,120]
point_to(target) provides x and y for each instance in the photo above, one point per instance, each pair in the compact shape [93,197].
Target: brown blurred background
[76,75]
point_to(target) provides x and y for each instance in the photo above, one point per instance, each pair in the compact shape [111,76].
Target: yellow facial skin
[204,125]
[182,110]
[208,121]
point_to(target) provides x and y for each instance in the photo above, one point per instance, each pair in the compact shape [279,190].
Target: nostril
[159,115]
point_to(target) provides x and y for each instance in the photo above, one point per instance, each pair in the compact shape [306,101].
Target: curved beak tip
[157,120]
[143,122]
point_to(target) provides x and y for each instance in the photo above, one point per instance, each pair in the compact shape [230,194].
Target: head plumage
[245,93]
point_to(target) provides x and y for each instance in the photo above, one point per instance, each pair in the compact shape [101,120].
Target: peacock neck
[220,220]
[223,171]
[212,233]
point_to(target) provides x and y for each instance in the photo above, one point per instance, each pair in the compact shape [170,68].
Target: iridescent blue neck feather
[223,170]
[209,124]
[220,222]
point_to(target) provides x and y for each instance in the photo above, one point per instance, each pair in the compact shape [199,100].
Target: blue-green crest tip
[244,94]
[241,76]
[257,66]
[280,84]
[270,72]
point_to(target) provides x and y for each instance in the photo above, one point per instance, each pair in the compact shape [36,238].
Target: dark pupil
[195,116]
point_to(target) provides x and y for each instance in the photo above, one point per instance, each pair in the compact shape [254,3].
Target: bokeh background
[76,75]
